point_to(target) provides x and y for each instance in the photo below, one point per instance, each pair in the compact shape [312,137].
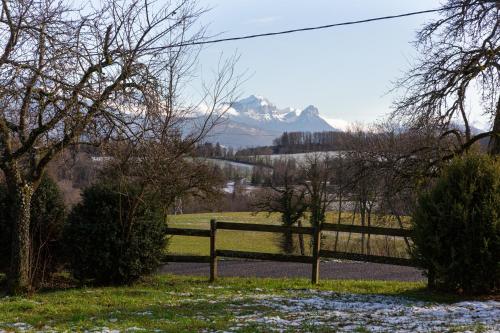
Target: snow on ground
[323,311]
[331,312]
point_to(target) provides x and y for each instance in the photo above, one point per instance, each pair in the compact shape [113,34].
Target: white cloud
[482,124]
[338,123]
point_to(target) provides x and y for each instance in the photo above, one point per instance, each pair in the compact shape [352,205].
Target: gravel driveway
[328,270]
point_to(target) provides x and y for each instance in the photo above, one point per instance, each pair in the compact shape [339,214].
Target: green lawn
[226,239]
[167,303]
[170,303]
[269,242]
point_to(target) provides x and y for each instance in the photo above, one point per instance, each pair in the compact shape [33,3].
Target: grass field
[176,304]
[167,303]
[226,239]
[188,304]
[269,242]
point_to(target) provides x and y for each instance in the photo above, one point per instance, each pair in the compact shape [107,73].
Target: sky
[346,72]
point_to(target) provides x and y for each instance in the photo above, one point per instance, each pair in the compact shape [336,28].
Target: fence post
[316,249]
[213,255]
[431,279]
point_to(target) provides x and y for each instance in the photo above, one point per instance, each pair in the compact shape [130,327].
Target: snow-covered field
[310,310]
[317,311]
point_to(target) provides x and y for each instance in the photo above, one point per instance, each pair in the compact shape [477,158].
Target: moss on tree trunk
[19,275]
[494,144]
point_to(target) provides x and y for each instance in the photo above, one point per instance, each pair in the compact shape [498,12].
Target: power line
[276,33]
[267,34]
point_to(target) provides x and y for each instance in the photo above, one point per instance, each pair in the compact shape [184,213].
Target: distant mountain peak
[253,102]
[259,112]
[311,110]
[255,120]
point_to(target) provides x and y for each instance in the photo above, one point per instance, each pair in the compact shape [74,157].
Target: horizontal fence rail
[188,232]
[317,252]
[366,230]
[264,228]
[186,258]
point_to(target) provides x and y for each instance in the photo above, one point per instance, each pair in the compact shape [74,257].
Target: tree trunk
[19,275]
[494,144]
[339,218]
[369,220]
[301,240]
[362,211]
[287,242]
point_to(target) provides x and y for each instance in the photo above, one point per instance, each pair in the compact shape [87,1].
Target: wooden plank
[368,258]
[316,250]
[264,256]
[185,258]
[213,250]
[188,232]
[264,228]
[367,230]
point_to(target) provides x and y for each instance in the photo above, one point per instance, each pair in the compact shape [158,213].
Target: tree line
[301,142]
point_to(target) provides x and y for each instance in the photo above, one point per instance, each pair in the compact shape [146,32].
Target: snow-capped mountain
[255,121]
[260,112]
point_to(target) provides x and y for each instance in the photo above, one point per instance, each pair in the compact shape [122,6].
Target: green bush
[113,236]
[457,226]
[46,225]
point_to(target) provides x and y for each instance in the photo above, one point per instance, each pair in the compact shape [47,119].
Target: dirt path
[328,270]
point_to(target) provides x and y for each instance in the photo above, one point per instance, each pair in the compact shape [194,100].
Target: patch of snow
[102,330]
[173,293]
[144,313]
[231,112]
[348,313]
[20,327]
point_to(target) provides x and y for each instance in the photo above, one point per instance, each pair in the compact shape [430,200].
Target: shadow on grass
[179,303]
[3,284]
[150,304]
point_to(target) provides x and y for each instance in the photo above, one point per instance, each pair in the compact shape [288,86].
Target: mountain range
[255,121]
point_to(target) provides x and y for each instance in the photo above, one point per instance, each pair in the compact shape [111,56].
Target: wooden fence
[314,259]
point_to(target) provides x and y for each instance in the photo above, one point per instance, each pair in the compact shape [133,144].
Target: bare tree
[316,174]
[287,197]
[460,53]
[70,76]
[364,180]
[387,164]
[339,182]
[164,171]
